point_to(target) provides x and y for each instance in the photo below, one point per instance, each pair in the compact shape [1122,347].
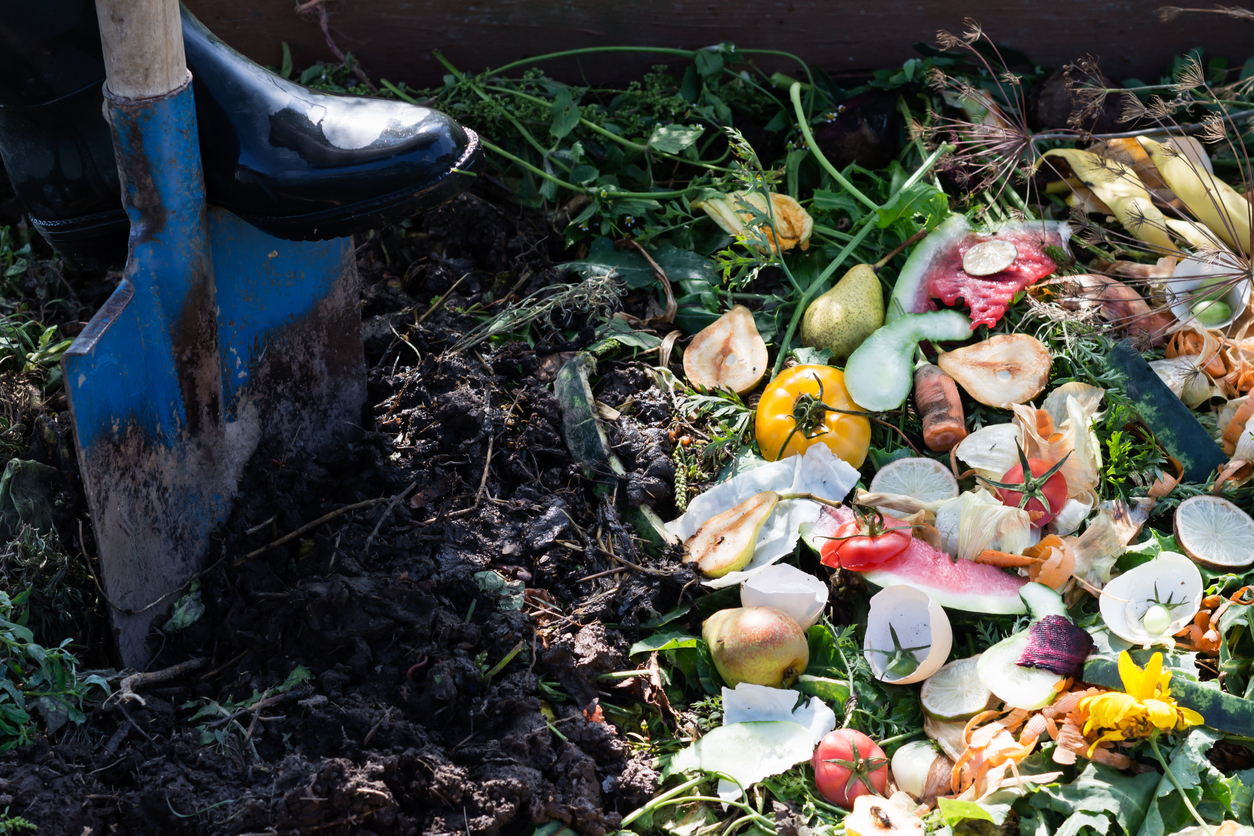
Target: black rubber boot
[53,138]
[297,163]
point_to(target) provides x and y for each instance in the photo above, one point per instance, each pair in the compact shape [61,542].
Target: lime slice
[1215,533]
[989,257]
[922,478]
[955,692]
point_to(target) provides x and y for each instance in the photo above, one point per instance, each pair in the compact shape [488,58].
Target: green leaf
[1100,789]
[671,640]
[1191,769]
[672,139]
[187,610]
[956,811]
[1080,819]
[285,69]
[566,113]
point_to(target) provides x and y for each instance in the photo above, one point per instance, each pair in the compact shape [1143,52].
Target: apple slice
[725,543]
[728,353]
[1000,371]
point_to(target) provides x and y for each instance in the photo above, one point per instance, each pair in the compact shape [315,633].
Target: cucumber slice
[1018,687]
[1042,601]
[880,372]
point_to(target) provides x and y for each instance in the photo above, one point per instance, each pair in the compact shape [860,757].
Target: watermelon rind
[909,292]
[954,584]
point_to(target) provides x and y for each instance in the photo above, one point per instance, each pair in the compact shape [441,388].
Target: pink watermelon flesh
[988,296]
[955,584]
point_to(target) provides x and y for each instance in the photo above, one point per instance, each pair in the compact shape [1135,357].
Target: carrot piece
[1005,560]
[940,408]
[1232,433]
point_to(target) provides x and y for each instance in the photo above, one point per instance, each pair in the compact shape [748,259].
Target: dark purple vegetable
[1055,644]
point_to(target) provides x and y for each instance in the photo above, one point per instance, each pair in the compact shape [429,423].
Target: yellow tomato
[798,409]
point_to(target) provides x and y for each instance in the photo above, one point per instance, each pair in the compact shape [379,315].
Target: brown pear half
[724,543]
[728,353]
[1000,371]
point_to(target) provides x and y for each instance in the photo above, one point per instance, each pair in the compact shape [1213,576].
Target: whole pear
[758,645]
[844,316]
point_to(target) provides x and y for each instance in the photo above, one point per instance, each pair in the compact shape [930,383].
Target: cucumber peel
[1220,710]
[880,372]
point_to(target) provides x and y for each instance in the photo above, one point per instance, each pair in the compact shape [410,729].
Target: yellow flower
[734,211]
[1145,707]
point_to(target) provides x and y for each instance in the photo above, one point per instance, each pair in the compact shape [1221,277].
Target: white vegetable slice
[747,752]
[1215,532]
[1016,686]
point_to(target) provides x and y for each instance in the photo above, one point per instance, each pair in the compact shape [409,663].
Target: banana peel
[1224,210]
[1118,187]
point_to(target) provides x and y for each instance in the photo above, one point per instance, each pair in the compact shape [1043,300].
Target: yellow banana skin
[1221,208]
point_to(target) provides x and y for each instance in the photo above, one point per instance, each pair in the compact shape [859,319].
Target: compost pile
[729,415]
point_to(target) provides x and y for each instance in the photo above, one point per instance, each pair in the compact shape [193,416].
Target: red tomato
[1042,499]
[855,549]
[848,764]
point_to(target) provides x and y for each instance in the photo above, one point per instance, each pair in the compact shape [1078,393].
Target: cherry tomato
[798,409]
[848,764]
[1041,498]
[863,544]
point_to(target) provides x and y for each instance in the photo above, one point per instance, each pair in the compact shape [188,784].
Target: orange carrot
[940,408]
[1236,426]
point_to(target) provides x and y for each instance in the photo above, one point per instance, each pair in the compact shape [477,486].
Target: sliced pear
[724,543]
[1000,371]
[728,353]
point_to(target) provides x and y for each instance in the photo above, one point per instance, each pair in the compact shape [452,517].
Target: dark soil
[491,546]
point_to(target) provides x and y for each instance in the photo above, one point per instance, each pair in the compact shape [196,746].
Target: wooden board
[394,38]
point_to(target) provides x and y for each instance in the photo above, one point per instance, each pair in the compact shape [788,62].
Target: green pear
[724,543]
[758,645]
[844,316]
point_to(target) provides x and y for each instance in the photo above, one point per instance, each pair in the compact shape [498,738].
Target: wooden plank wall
[394,38]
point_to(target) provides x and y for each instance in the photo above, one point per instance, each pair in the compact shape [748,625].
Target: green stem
[794,93]
[605,194]
[1171,776]
[818,283]
[608,134]
[666,796]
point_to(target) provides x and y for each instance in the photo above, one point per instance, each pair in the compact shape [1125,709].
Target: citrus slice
[922,478]
[1215,533]
[955,692]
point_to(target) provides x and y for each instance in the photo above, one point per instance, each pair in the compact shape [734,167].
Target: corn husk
[977,520]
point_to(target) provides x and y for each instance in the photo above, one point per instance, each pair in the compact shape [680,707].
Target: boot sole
[376,212]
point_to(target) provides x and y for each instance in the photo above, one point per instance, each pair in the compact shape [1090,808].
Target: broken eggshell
[787,588]
[1187,287]
[918,621]
[1169,582]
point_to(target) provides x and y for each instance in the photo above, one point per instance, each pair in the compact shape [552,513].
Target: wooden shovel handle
[143,47]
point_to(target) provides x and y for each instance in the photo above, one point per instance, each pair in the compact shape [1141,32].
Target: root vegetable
[940,408]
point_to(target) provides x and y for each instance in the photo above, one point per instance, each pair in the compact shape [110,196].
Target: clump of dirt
[427,661]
